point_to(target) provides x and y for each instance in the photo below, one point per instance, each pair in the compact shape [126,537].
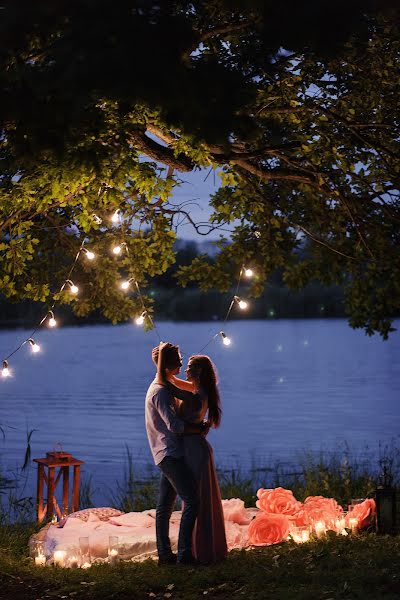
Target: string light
[115,218]
[52,321]
[124,285]
[72,287]
[225,340]
[97,219]
[5,371]
[89,255]
[242,303]
[140,320]
[34,346]
[249,272]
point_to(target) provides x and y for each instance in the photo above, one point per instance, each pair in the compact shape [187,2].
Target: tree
[106,103]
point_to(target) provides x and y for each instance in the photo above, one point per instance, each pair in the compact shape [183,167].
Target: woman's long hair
[204,369]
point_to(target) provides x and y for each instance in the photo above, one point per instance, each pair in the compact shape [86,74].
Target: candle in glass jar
[59,557]
[305,535]
[40,560]
[73,562]
[113,555]
[86,565]
[353,524]
[320,528]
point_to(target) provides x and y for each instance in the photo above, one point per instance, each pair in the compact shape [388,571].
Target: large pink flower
[267,529]
[364,513]
[318,508]
[278,501]
[235,511]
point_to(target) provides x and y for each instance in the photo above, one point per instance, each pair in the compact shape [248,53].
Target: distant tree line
[192,304]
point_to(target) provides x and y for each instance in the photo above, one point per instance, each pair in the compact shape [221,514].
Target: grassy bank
[365,566]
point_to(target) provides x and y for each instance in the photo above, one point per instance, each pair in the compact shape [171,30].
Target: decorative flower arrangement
[280,514]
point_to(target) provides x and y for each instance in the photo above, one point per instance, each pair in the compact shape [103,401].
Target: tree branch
[160,153]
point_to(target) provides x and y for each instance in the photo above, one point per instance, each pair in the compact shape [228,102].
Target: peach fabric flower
[318,508]
[278,501]
[267,529]
[235,511]
[364,513]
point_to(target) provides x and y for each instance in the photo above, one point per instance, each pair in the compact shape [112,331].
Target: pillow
[104,513]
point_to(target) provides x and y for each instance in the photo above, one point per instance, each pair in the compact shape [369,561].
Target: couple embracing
[176,427]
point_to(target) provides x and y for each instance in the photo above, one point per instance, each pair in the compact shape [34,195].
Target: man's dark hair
[172,357]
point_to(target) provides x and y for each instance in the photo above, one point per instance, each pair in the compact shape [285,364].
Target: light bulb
[5,371]
[97,219]
[115,217]
[34,346]
[140,320]
[90,255]
[74,288]
[125,284]
[249,272]
[52,321]
[117,249]
[243,304]
[225,340]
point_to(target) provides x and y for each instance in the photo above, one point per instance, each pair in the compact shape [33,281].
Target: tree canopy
[296,105]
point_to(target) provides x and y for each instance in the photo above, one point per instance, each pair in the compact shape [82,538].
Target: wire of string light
[140,320]
[50,317]
[242,304]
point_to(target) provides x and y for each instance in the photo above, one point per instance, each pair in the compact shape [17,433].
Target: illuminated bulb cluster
[140,320]
[97,219]
[124,285]
[34,346]
[89,255]
[5,371]
[115,218]
[72,287]
[241,303]
[225,340]
[52,322]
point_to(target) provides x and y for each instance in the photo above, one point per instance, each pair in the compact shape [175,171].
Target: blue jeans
[176,479]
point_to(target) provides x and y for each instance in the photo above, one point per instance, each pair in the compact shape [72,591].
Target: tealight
[59,557]
[40,560]
[320,528]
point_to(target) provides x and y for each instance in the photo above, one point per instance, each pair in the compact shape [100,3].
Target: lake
[286,386]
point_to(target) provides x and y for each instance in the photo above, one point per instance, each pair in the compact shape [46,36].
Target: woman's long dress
[209,540]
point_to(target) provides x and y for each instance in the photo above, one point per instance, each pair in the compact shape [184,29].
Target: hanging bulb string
[234,299]
[50,311]
[145,312]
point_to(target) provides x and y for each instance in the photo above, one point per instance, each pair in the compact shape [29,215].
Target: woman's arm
[182,384]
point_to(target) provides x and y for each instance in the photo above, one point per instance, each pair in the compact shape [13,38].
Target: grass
[365,567]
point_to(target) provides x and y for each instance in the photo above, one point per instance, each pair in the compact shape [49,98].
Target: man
[164,429]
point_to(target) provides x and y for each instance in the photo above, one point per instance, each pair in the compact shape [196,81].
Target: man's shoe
[167,560]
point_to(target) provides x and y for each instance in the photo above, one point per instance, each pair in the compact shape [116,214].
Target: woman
[195,398]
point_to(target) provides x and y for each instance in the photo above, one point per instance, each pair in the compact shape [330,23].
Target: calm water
[286,386]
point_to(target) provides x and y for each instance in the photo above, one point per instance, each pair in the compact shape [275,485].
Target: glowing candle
[113,556]
[353,524]
[40,560]
[320,528]
[73,562]
[59,557]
